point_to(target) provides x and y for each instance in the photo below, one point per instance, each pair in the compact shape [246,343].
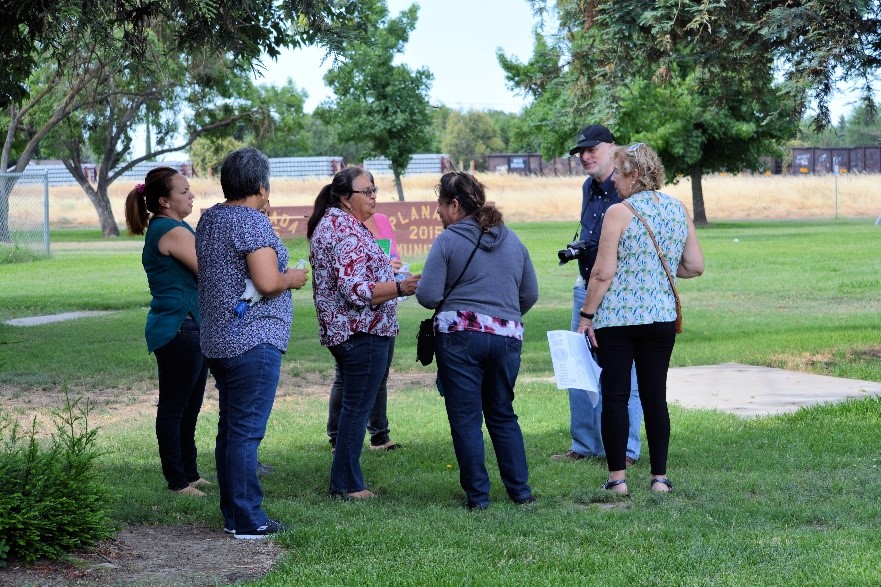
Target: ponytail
[322,203]
[143,201]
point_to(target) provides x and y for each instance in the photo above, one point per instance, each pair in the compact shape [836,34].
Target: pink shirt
[384,230]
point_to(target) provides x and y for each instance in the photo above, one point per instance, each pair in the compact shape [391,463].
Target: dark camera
[573,250]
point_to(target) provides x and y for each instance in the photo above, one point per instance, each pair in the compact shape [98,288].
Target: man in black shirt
[594,146]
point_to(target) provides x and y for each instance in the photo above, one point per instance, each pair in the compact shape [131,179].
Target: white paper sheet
[574,367]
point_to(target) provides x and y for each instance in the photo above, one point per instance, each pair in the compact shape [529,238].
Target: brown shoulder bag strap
[663,262]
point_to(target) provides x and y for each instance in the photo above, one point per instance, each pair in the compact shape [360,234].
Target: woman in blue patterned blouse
[630,310]
[243,344]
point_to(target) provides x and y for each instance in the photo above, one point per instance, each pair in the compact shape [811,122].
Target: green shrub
[50,500]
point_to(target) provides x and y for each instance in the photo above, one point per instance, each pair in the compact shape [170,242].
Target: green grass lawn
[785,500]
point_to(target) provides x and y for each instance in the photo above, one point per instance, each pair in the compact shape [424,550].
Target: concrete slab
[50,318]
[747,391]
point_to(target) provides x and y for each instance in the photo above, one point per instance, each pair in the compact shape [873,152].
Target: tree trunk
[97,195]
[101,202]
[399,186]
[697,196]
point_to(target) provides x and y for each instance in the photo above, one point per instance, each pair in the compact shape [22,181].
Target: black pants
[182,375]
[650,347]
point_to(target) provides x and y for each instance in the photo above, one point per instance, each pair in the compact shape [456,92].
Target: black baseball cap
[591,136]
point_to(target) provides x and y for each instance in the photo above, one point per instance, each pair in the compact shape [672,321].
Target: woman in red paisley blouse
[355,295]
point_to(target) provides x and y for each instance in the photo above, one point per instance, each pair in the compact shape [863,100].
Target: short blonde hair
[640,157]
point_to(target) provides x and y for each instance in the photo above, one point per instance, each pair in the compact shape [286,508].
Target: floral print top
[460,320]
[640,292]
[347,263]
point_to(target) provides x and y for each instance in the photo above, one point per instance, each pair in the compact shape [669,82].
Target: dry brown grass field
[726,197]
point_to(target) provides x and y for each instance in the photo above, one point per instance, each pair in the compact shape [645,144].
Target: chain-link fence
[24,212]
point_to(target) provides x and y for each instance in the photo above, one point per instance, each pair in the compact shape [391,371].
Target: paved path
[749,391]
[48,319]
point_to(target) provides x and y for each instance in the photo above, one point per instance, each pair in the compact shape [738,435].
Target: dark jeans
[182,374]
[377,422]
[363,363]
[650,347]
[477,371]
[246,386]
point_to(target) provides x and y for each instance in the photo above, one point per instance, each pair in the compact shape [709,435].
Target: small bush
[50,501]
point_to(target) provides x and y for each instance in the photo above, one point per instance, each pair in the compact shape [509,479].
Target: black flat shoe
[608,485]
[663,481]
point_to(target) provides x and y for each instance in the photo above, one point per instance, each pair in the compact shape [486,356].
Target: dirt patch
[124,404]
[157,556]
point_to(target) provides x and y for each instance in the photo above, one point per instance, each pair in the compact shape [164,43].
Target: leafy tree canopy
[378,103]
[701,81]
[32,31]
[92,70]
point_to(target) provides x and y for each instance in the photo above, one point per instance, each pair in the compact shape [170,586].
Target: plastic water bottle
[301,264]
[402,274]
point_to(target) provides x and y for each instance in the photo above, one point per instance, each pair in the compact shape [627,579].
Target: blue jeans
[363,363]
[584,419]
[477,371]
[182,375]
[246,385]
[377,422]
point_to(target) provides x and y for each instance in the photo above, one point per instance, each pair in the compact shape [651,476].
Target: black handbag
[425,341]
[426,335]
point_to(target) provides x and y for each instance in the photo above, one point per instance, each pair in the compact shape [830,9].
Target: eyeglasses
[635,147]
[367,192]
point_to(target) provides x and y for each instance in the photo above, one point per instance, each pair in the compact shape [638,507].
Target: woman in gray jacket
[479,277]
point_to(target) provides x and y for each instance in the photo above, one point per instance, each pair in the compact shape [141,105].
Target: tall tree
[654,72]
[102,66]
[324,139]
[379,103]
[862,128]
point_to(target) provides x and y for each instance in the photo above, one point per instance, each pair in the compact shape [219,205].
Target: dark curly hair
[471,195]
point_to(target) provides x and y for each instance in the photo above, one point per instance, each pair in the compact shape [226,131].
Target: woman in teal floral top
[630,310]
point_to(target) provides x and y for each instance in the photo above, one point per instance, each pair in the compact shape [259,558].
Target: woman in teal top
[160,205]
[630,303]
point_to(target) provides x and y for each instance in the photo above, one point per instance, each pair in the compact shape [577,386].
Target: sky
[455,39]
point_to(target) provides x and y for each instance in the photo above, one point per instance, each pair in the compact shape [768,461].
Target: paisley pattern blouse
[640,292]
[347,263]
[461,320]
